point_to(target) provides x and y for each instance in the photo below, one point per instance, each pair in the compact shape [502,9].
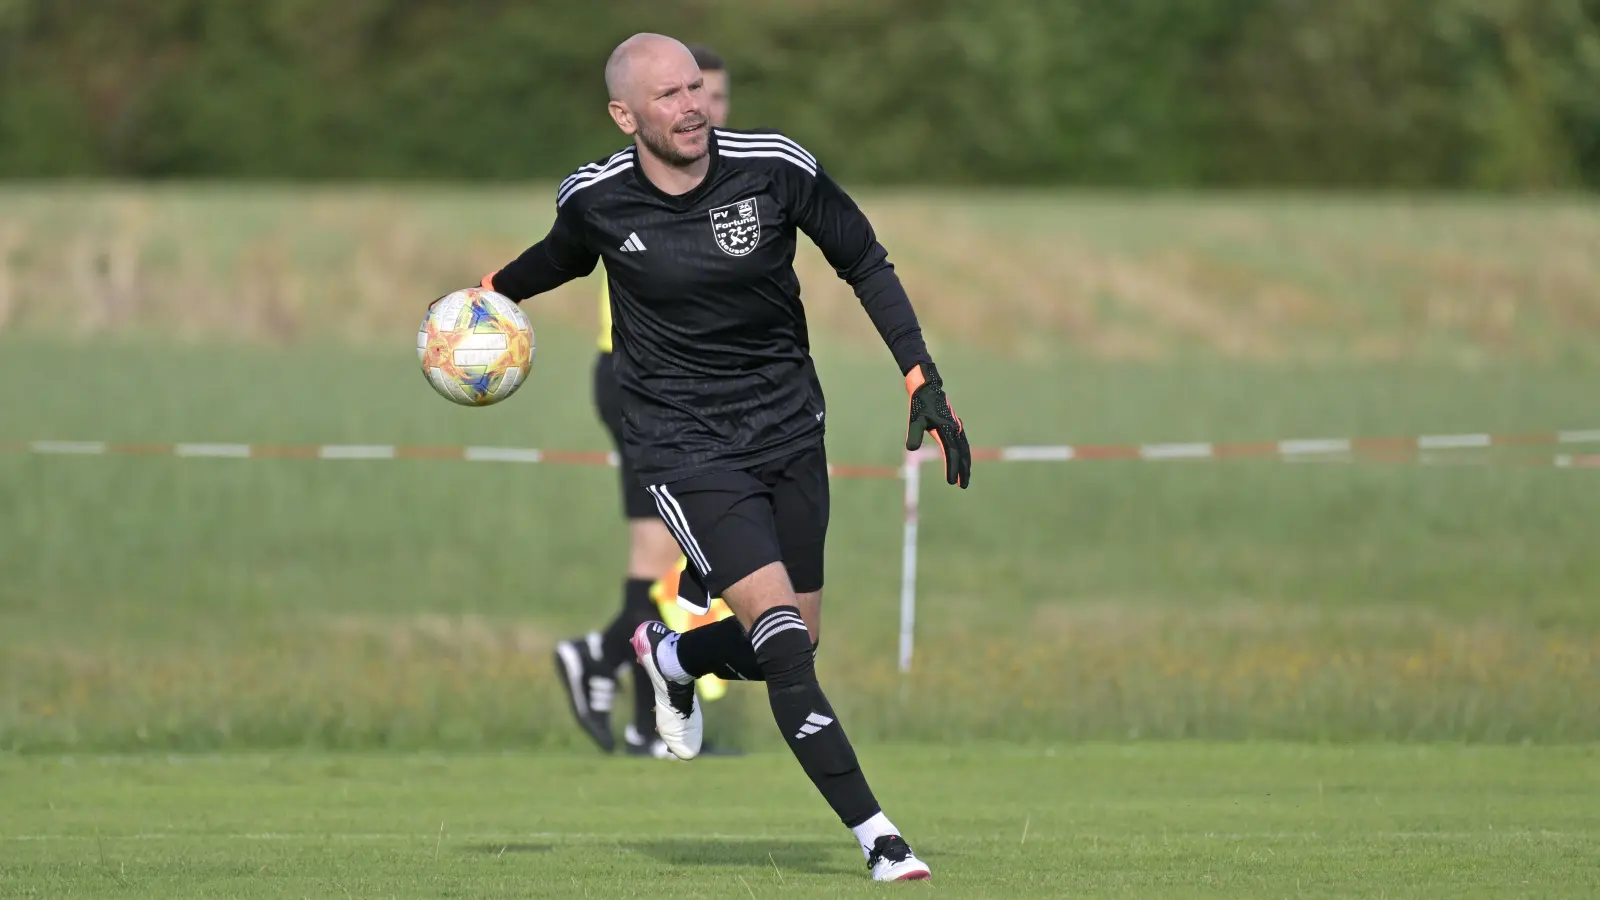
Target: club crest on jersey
[737,227]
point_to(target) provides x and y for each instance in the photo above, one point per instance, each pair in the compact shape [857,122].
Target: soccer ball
[475,346]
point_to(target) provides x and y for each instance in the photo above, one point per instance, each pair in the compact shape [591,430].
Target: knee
[784,649]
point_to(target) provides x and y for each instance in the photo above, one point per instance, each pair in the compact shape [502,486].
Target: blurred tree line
[1498,94]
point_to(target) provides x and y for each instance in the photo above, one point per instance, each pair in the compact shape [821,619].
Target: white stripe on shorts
[672,513]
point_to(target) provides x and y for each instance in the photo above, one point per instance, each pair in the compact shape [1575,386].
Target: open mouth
[695,128]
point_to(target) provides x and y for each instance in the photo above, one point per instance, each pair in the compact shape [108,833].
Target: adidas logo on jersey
[632,244]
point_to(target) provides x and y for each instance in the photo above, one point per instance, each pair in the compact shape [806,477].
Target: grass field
[1426,639]
[1151,820]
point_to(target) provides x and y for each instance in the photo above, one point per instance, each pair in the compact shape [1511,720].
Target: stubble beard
[660,144]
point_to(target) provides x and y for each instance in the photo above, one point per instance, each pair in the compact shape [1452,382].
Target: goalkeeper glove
[930,411]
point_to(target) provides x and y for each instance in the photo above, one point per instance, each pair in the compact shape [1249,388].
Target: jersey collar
[685,200]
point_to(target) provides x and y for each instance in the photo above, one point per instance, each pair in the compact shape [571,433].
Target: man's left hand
[930,411]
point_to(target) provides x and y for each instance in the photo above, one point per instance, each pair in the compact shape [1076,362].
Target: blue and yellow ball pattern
[475,346]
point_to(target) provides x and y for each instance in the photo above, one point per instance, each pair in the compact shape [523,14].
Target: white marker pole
[912,475]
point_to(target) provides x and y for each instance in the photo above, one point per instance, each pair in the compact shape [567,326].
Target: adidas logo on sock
[814,723]
[632,244]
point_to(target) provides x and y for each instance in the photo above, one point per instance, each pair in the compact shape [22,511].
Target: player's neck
[671,179]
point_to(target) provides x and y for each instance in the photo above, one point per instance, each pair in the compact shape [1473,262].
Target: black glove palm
[930,411]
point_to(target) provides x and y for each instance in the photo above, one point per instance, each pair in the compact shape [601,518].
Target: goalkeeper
[722,407]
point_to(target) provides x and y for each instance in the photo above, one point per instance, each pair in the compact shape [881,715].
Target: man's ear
[621,115]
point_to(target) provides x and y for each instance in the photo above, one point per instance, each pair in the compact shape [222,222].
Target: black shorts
[636,501]
[730,524]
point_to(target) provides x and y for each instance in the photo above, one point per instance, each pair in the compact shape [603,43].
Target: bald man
[588,665]
[722,409]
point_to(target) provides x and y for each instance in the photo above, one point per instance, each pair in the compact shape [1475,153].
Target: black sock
[637,608]
[721,649]
[808,723]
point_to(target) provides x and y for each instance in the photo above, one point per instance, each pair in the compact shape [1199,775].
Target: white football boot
[678,721]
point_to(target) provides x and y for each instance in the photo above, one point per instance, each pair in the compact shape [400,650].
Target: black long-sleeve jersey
[709,336]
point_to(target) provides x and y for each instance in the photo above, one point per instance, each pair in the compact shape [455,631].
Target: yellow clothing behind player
[605,312]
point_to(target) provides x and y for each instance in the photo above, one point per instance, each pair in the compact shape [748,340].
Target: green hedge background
[1488,94]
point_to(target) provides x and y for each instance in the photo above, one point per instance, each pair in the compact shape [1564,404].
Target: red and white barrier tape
[1419,449]
[1365,448]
